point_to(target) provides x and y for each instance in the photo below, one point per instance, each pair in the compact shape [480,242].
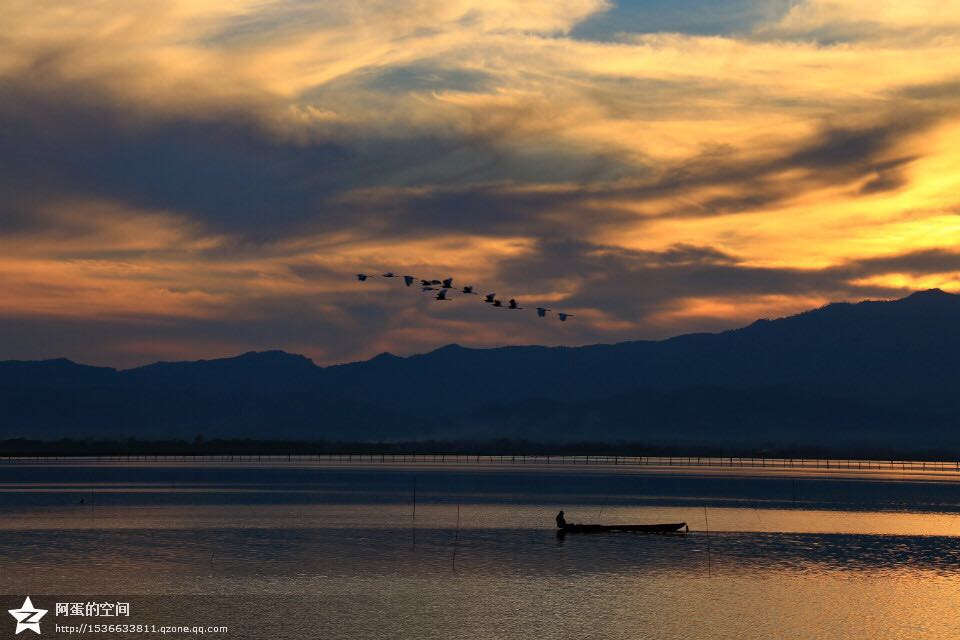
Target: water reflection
[862,559]
[147,484]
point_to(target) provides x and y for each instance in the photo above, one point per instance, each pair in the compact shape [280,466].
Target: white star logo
[28,617]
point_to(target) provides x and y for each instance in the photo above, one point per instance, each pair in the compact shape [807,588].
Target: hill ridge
[830,370]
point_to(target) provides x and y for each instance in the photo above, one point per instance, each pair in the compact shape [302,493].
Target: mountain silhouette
[877,373]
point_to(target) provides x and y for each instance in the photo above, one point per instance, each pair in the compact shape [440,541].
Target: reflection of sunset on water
[800,554]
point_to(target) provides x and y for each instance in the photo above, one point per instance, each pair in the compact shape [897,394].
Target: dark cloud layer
[633,285]
[230,172]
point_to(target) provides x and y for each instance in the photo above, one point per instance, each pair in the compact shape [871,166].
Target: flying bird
[445,285]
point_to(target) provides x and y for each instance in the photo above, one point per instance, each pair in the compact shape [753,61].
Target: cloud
[207,176]
[869,19]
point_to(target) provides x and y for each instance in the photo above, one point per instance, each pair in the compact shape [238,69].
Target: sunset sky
[196,179]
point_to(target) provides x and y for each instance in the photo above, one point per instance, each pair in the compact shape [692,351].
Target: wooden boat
[673,527]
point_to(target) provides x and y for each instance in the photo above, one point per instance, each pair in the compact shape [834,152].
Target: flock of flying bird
[442,287]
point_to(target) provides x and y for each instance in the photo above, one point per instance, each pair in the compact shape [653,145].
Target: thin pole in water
[456,539]
[706,523]
[413,518]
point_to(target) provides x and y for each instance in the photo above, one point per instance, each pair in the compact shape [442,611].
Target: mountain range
[874,374]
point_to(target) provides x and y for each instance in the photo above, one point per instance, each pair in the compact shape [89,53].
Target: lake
[335,550]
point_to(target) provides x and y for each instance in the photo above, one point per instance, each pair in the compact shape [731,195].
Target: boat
[672,527]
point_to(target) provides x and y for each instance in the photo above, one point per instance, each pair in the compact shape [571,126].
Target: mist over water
[336,551]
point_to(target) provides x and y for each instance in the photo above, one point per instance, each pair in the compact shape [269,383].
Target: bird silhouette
[445,285]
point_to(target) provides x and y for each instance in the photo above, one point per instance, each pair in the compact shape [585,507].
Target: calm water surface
[334,551]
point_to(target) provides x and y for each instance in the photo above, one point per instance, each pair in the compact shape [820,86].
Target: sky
[200,178]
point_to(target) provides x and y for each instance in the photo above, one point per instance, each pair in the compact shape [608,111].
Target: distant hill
[879,373]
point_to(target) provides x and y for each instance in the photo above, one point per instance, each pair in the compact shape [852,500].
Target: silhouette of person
[561,521]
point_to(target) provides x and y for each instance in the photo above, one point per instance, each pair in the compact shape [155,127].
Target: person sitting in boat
[561,521]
